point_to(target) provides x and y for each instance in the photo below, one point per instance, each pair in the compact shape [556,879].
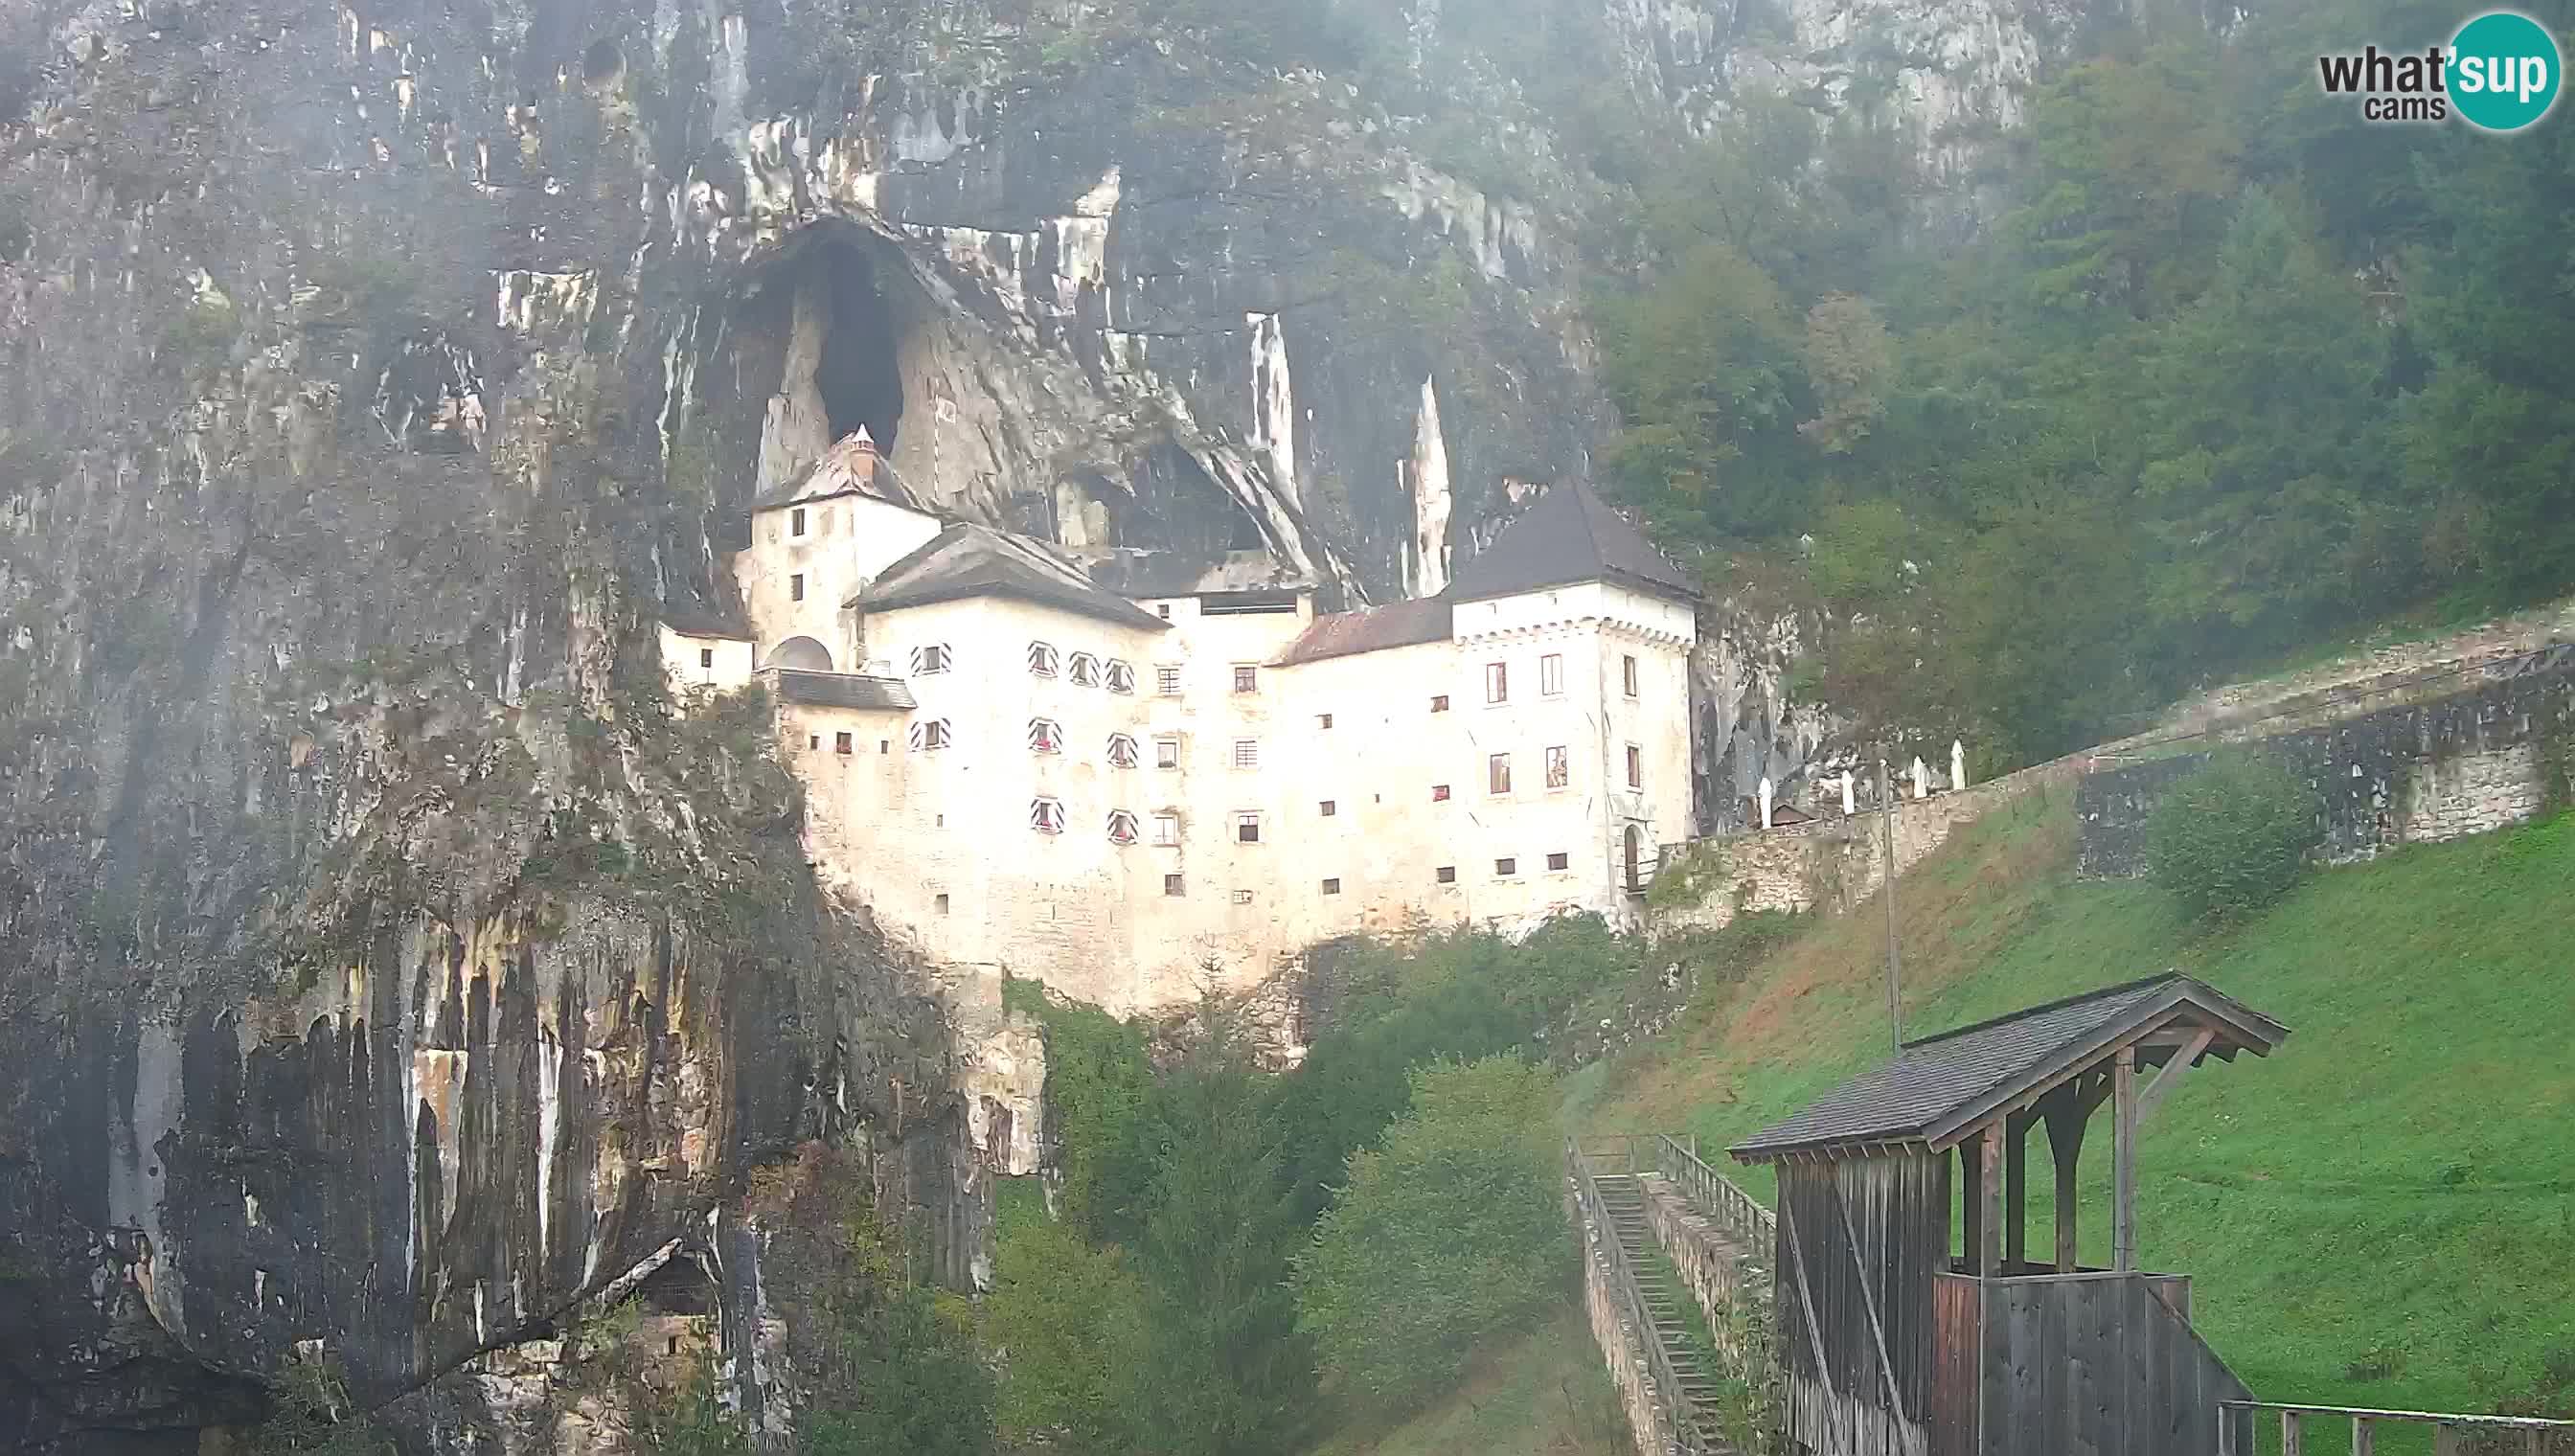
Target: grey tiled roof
[844,689]
[1940,1081]
[976,561]
[1397,624]
[852,467]
[692,622]
[1569,534]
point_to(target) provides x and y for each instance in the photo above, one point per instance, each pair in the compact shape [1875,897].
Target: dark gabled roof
[844,689]
[852,467]
[1932,1096]
[690,622]
[1397,624]
[1570,534]
[967,559]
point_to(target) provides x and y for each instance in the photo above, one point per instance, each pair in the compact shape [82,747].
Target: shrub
[2232,838]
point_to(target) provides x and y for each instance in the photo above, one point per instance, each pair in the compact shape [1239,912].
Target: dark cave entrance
[858,377]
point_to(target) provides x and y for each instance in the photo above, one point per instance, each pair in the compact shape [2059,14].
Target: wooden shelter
[1896,1342]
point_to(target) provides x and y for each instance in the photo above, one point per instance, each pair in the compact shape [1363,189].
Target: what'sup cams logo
[2500,73]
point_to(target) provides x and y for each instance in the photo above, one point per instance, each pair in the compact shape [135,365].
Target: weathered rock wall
[2492,756]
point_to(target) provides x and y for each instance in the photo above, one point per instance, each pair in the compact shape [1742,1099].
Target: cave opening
[857,374]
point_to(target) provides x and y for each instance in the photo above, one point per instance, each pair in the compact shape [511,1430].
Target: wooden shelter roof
[1941,1088]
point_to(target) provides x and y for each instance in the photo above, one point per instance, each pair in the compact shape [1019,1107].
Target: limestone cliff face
[381,964]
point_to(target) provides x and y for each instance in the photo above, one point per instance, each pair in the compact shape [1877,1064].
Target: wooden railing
[1753,1227]
[2238,1421]
[1622,1278]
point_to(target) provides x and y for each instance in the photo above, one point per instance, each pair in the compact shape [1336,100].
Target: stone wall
[2489,755]
[1622,1343]
[1721,1275]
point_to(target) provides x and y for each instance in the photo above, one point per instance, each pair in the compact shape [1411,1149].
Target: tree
[1067,1318]
[1847,361]
[1449,1234]
[2232,838]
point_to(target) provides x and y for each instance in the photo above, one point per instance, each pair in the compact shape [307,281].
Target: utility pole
[1894,964]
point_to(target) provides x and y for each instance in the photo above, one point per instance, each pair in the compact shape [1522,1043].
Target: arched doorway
[1636,859]
[802,653]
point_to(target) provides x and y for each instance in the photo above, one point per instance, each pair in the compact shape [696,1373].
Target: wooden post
[1972,1187]
[2016,1192]
[1990,1181]
[2292,1437]
[2067,1120]
[2364,1436]
[2124,1175]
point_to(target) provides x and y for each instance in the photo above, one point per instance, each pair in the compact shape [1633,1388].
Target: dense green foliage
[1450,1233]
[2231,372]
[894,1366]
[1067,1320]
[2233,837]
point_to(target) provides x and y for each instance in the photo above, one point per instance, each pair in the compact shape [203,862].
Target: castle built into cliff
[1117,792]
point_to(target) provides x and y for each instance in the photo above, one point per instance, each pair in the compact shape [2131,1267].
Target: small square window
[795,587]
[1323,719]
[1162,609]
[1448,875]
[1438,793]
[796,521]
[1171,885]
[1497,683]
[931,735]
[1247,828]
[1167,680]
[706,656]
[1246,678]
[1167,829]
[1167,752]
[942,903]
[1330,809]
[1247,752]
[1550,675]
[1558,860]
[1243,896]
[841,743]
[1636,767]
[885,745]
[1497,774]
[1559,768]
[1627,674]
[813,740]
[1506,866]
[1439,704]
[930,657]
[1331,886]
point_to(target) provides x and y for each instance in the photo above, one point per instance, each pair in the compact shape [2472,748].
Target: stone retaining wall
[1621,1342]
[1721,1276]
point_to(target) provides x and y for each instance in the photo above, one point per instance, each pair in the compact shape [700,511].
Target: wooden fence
[2240,1422]
[1755,1229]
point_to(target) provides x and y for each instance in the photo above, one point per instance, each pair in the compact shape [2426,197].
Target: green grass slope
[2382,1213]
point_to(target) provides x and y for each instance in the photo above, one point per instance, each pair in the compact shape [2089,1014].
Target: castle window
[1331,886]
[931,735]
[1636,767]
[1497,774]
[1497,683]
[1247,752]
[706,656]
[1438,793]
[1446,875]
[1167,680]
[1122,827]
[1046,816]
[1628,674]
[1323,719]
[1085,670]
[1167,752]
[1558,860]
[795,587]
[1040,659]
[1247,828]
[1046,735]
[1246,678]
[1439,704]
[841,743]
[1506,868]
[941,903]
[1122,675]
[1162,609]
[796,521]
[1166,831]
[1559,768]
[1172,884]
[1550,675]
[1329,809]
[931,658]
[1122,750]
[813,742]
[1243,896]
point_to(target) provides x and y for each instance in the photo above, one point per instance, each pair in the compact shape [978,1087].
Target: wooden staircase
[1623,1198]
